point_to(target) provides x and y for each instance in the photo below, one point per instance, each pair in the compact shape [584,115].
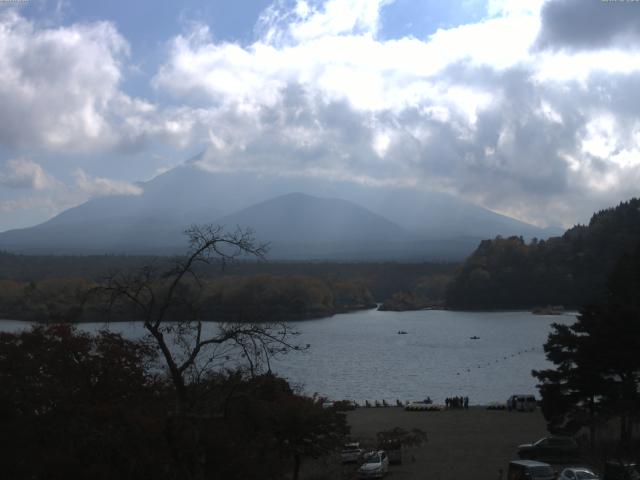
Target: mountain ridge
[154,221]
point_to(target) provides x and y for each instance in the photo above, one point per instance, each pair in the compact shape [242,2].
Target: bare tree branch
[169,314]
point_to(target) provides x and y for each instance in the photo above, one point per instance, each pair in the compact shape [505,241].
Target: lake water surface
[361,356]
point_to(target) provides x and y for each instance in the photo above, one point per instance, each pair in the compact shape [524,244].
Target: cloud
[589,24]
[42,196]
[335,56]
[478,110]
[101,187]
[58,84]
[523,111]
[61,91]
[307,21]
[27,174]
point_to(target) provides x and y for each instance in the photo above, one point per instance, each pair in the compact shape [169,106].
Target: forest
[62,288]
[570,270]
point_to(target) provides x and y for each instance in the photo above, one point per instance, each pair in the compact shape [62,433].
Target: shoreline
[304,318]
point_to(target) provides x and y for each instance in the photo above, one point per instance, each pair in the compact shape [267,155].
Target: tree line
[241,291]
[235,298]
[570,270]
[382,279]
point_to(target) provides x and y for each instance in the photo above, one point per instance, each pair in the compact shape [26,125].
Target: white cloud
[42,196]
[305,22]
[476,109]
[100,186]
[25,173]
[58,83]
[61,91]
[480,110]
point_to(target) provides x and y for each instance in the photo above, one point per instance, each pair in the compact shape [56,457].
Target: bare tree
[164,300]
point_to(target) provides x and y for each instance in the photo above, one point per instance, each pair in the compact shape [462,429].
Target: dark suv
[614,470]
[550,448]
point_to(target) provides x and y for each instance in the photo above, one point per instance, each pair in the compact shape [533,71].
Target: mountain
[331,219]
[308,219]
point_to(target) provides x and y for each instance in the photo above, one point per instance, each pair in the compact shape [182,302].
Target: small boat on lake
[475,337]
[401,332]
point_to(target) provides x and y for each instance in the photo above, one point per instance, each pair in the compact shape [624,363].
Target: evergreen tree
[597,366]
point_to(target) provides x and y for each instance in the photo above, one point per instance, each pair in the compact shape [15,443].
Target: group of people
[457,402]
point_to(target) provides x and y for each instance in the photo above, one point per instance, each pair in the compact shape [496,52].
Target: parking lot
[462,444]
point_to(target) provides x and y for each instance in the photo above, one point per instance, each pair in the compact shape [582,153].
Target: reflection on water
[361,356]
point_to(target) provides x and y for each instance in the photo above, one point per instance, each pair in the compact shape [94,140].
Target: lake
[360,356]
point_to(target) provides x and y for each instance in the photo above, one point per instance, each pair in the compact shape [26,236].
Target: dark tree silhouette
[76,406]
[597,373]
[168,304]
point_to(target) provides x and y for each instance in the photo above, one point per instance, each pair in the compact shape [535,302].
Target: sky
[530,108]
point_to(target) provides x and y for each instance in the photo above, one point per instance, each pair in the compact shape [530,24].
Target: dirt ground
[462,444]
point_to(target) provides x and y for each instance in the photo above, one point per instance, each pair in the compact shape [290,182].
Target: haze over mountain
[324,219]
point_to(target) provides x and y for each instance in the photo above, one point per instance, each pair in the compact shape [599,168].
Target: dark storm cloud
[589,24]
[515,147]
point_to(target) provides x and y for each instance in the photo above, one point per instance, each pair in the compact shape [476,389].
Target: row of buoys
[506,357]
[490,363]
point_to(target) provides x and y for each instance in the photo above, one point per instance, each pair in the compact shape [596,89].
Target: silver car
[375,465]
[577,474]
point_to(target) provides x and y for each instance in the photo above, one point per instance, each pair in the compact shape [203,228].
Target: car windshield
[372,458]
[542,441]
[585,475]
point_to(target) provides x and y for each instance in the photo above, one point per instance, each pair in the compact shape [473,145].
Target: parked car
[615,470]
[530,470]
[550,448]
[351,452]
[375,465]
[578,474]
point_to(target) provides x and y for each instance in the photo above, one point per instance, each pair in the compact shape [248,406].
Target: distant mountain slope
[300,226]
[301,218]
[570,270]
[429,225]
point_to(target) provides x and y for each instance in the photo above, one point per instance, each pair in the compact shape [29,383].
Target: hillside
[373,223]
[570,270]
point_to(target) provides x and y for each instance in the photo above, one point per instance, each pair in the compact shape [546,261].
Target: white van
[522,403]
